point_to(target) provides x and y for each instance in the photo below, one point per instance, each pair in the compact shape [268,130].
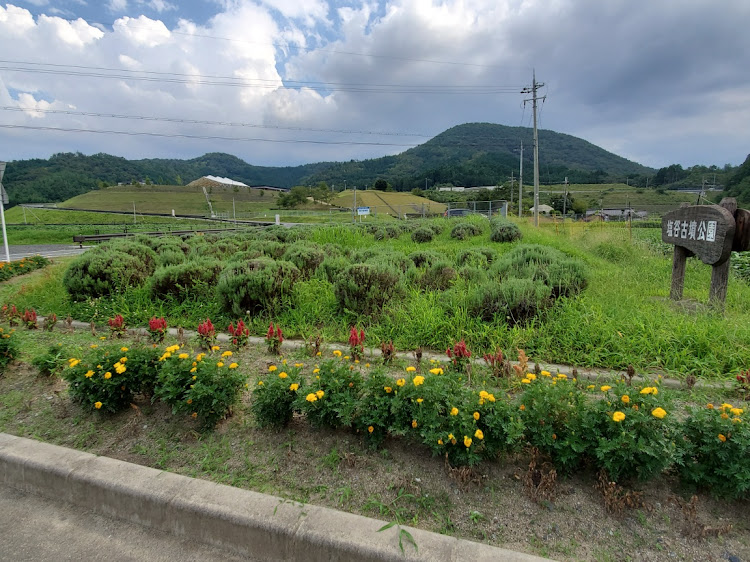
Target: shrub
[365,288]
[306,256]
[274,398]
[464,230]
[422,258]
[103,273]
[330,400]
[195,277]
[503,230]
[258,284]
[170,256]
[472,257]
[52,361]
[515,300]
[100,380]
[422,235]
[205,387]
[372,415]
[145,255]
[438,277]
[613,252]
[474,275]
[715,450]
[24,265]
[8,348]
[331,267]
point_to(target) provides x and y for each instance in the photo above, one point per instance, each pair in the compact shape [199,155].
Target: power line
[203,122]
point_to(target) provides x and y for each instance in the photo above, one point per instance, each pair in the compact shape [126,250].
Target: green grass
[620,195]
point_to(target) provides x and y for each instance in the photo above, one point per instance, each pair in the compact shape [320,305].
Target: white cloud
[158,5]
[310,11]
[142,31]
[117,5]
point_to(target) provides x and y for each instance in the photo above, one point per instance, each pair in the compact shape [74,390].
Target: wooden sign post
[711,233]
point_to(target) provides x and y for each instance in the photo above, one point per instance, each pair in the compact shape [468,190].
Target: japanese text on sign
[692,230]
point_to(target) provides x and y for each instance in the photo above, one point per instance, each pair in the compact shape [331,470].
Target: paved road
[42,530]
[46,250]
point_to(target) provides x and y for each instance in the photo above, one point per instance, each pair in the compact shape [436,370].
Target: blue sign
[363,210]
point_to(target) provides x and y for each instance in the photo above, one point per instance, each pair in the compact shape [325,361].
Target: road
[46,250]
[42,530]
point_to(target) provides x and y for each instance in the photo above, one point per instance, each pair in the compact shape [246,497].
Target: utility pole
[520,184]
[354,207]
[512,185]
[134,221]
[532,90]
[565,197]
[3,202]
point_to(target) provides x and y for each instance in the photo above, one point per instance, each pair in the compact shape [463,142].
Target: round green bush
[258,284]
[473,275]
[195,277]
[102,273]
[422,258]
[464,230]
[515,300]
[307,256]
[364,288]
[503,230]
[438,276]
[331,267]
[422,235]
[472,257]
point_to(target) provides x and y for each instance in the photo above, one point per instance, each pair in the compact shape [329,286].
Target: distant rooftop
[225,181]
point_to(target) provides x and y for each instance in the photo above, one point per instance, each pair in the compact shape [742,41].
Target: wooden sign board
[706,231]
[742,232]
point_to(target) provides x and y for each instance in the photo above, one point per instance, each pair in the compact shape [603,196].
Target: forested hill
[738,185]
[469,155]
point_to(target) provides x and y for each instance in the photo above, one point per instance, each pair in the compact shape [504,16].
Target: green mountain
[469,155]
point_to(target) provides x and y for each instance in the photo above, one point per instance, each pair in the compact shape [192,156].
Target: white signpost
[363,211]
[3,202]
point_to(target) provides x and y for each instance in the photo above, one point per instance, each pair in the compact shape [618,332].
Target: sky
[288,82]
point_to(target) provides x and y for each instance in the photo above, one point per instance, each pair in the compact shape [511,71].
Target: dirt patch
[517,503]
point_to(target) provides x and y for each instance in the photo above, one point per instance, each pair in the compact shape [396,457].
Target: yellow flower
[311,397]
[400,382]
[414,423]
[736,420]
[89,374]
[298,365]
[710,406]
[220,364]
[98,366]
[525,381]
[736,411]
[318,354]
[120,368]
[724,416]
[233,365]
[123,349]
[562,376]
[337,352]
[722,438]
[476,415]
[410,369]
[545,373]
[320,394]
[272,368]
[388,389]
[98,405]
[283,362]
[420,400]
[625,399]
[215,348]
[450,437]
[418,380]
[107,375]
[294,387]
[180,356]
[200,357]
[726,406]
[346,357]
[618,416]
[370,429]
[73,362]
[454,411]
[283,375]
[479,434]
[440,441]
[316,371]
[491,397]
[590,387]
[647,390]
[194,415]
[658,413]
[189,400]
[103,338]
[227,353]
[367,365]
[193,369]
[522,407]
[531,376]
[483,394]
[605,388]
[195,377]
[93,346]
[436,371]
[467,441]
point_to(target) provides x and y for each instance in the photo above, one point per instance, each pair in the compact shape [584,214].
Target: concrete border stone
[242,521]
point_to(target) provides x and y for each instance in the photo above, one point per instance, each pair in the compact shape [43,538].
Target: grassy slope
[619,195]
[389,202]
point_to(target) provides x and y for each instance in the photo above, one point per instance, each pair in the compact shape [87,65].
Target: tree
[381,185]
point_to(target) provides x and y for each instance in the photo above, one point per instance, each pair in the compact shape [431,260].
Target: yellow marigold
[107,375]
[436,371]
[481,401]
[419,379]
[411,369]
[525,381]
[367,365]
[618,416]
[346,357]
[479,434]
[546,374]
[227,353]
[467,441]
[451,437]
[337,352]
[710,406]
[233,365]
[89,374]
[283,375]
[724,416]
[189,400]
[605,388]
[400,382]
[522,407]
[483,394]
[658,413]
[98,405]
[120,368]
[370,429]
[193,369]
[320,394]
[200,357]
[220,364]
[123,349]
[491,397]
[215,348]
[194,415]
[74,362]
[311,397]
[736,420]
[283,362]
[562,376]
[195,377]
[272,368]
[388,389]
[93,346]
[722,438]
[180,356]
[298,365]
[647,390]
[625,399]
[294,387]
[420,400]
[260,383]
[414,423]
[590,387]
[440,441]
[736,411]
[454,411]
[476,415]
[726,406]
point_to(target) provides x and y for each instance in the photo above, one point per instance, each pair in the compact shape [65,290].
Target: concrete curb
[242,521]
